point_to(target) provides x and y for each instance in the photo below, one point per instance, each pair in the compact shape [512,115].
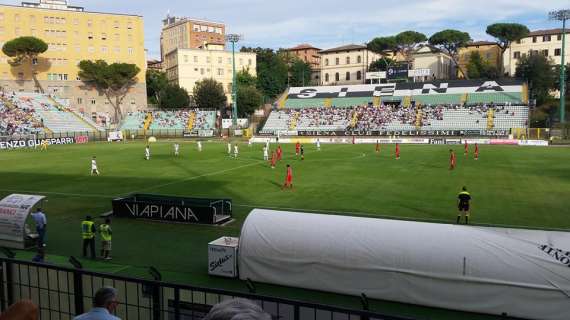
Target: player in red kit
[297,148]
[273,159]
[466,148]
[476,152]
[377,147]
[451,159]
[397,151]
[279,153]
[288,179]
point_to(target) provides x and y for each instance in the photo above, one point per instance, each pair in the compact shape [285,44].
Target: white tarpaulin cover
[524,273]
[14,210]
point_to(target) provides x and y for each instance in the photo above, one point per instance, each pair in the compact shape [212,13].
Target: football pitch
[525,187]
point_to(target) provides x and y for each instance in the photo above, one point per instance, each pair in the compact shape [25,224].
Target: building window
[516,54]
[79,100]
[103,36]
[347,60]
[33,32]
[195,58]
[220,72]
[35,61]
[116,24]
[89,23]
[202,71]
[117,50]
[1,16]
[559,37]
[17,17]
[326,77]
[358,75]
[90,35]
[32,20]
[129,25]
[131,51]
[337,60]
[359,59]
[545,52]
[20,76]
[220,60]
[347,76]
[557,52]
[17,31]
[546,38]
[241,62]
[91,49]
[249,62]
[104,50]
[130,38]
[337,77]
[518,41]
[207,59]
[326,62]
[132,101]
[75,22]
[93,101]
[534,39]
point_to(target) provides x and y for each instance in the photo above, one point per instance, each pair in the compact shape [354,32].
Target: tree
[385,47]
[113,80]
[505,33]
[156,83]
[209,94]
[407,41]
[300,72]
[244,78]
[540,74]
[26,50]
[477,68]
[380,64]
[249,99]
[272,71]
[451,41]
[174,97]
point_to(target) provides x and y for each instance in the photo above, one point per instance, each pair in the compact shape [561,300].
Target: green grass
[514,186]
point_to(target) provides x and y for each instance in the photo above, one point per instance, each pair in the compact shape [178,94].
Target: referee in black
[463,199]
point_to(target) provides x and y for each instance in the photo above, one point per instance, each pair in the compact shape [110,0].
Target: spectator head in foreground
[237,309]
[21,310]
[106,297]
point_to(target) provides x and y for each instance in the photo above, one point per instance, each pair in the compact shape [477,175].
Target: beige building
[185,67]
[439,63]
[545,42]
[490,52]
[72,35]
[187,33]
[345,65]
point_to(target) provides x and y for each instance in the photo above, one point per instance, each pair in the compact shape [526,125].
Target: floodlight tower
[234,38]
[562,15]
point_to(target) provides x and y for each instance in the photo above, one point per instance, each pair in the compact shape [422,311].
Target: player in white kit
[229,149]
[200,146]
[236,151]
[318,144]
[147,153]
[176,149]
[94,169]
[265,154]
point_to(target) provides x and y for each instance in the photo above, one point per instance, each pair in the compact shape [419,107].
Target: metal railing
[63,292]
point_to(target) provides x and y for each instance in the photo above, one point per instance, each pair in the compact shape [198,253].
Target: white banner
[222,257]
[535,143]
[419,73]
[115,136]
[242,123]
[376,75]
[14,210]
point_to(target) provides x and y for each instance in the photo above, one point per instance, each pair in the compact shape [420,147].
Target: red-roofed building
[310,55]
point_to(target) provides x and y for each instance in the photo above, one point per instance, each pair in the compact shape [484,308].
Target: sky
[330,23]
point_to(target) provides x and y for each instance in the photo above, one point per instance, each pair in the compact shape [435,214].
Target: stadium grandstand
[32,113]
[450,105]
[185,119]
